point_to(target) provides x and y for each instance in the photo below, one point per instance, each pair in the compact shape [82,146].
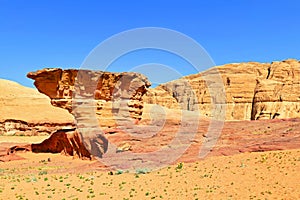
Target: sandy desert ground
[256,175]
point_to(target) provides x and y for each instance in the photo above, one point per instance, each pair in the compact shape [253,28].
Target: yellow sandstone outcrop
[253,91]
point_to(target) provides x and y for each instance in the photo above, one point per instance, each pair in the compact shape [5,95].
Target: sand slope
[27,104]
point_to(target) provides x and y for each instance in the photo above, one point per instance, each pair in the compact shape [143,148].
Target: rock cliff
[253,91]
[278,94]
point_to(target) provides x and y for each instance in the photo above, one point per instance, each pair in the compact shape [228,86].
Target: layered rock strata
[23,128]
[112,95]
[253,91]
[278,94]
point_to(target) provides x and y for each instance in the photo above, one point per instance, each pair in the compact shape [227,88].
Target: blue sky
[55,33]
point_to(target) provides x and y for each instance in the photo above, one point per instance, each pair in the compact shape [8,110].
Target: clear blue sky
[55,33]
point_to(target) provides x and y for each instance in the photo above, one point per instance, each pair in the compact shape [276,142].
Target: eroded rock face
[67,142]
[113,94]
[278,95]
[94,98]
[253,91]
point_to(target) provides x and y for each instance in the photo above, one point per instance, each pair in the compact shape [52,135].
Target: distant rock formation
[253,91]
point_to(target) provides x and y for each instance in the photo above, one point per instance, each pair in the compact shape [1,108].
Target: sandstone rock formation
[278,95]
[112,95]
[67,142]
[94,98]
[253,91]
[24,111]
